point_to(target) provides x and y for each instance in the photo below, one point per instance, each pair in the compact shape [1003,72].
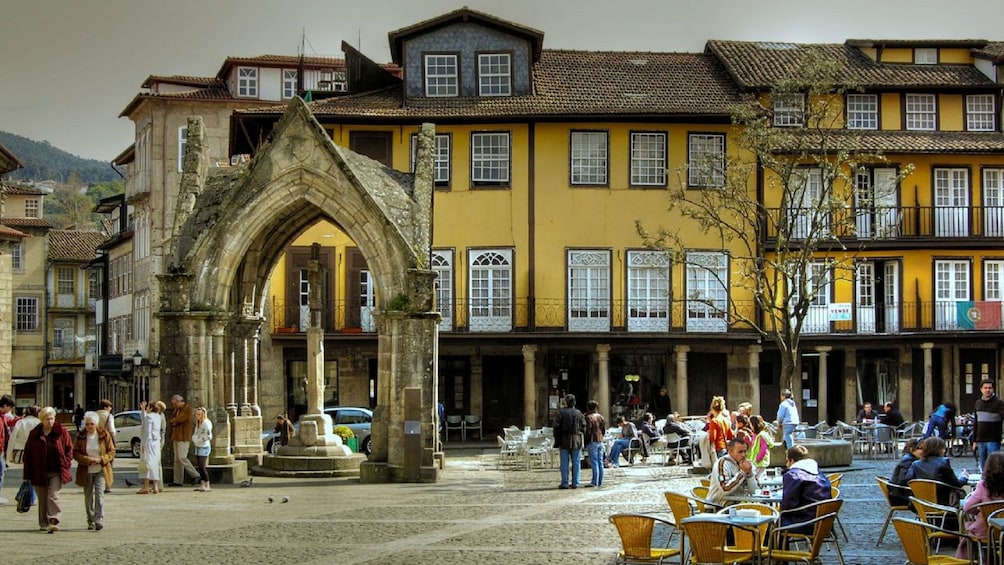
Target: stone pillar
[603,386]
[928,347]
[681,379]
[821,400]
[754,352]
[529,384]
[80,389]
[221,444]
[850,384]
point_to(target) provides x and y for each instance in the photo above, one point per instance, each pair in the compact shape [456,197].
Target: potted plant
[348,437]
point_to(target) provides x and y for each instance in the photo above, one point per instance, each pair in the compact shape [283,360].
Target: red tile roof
[73,245]
[288,61]
[27,222]
[180,80]
[759,65]
[901,142]
[567,84]
[21,190]
[8,161]
[992,50]
[9,234]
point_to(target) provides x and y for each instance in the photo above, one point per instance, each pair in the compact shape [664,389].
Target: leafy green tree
[792,236]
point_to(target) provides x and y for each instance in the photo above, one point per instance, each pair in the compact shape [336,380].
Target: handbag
[25,497]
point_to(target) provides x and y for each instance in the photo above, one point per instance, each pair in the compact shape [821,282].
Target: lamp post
[140,381]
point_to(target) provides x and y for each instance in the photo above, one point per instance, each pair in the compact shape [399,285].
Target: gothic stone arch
[231,227]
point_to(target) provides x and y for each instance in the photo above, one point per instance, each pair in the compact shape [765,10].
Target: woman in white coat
[19,435]
[152,436]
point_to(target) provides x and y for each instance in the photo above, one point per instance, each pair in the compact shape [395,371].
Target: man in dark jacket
[569,425]
[803,484]
[989,416]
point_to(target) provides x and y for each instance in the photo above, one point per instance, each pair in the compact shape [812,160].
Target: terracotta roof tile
[21,190]
[901,142]
[73,245]
[758,65]
[27,222]
[181,80]
[8,233]
[567,83]
[993,50]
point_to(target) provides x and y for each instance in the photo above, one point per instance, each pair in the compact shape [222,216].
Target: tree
[785,204]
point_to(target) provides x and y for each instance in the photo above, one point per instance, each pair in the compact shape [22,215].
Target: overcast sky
[69,67]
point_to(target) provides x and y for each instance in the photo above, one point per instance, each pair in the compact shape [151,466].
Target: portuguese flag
[978,315]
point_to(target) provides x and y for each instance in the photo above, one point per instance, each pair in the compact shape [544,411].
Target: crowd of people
[47,449]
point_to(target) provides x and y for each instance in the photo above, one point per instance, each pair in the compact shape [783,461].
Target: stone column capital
[753,349]
[529,353]
[823,349]
[927,345]
[603,348]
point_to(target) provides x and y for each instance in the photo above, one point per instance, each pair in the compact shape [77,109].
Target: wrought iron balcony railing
[892,222]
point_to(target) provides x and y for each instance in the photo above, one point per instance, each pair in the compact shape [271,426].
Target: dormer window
[925,56]
[289,80]
[247,82]
[494,74]
[788,110]
[33,208]
[441,77]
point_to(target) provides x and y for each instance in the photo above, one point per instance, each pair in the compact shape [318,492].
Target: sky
[69,67]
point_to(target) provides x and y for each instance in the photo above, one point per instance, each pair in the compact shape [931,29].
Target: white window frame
[441,167]
[808,215]
[951,202]
[588,278]
[648,291]
[182,143]
[442,76]
[820,284]
[26,313]
[925,55]
[490,158]
[952,281]
[247,82]
[789,110]
[494,74]
[921,112]
[706,160]
[993,201]
[65,281]
[33,208]
[17,256]
[862,111]
[993,280]
[981,112]
[289,81]
[648,158]
[490,285]
[707,291]
[589,157]
[442,265]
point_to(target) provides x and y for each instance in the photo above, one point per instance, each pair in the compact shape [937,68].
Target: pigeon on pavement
[131,483]
[271,499]
[247,483]
[285,499]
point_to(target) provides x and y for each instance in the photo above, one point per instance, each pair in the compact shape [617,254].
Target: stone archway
[231,227]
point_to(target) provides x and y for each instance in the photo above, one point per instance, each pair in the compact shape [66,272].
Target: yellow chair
[835,479]
[985,509]
[781,551]
[744,538]
[929,490]
[709,541]
[916,538]
[703,504]
[635,531]
[937,515]
[822,508]
[893,508]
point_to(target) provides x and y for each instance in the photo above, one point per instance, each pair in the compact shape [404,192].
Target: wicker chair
[822,528]
[916,538]
[635,531]
[883,484]
[709,541]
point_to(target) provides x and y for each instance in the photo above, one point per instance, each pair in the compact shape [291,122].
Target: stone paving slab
[476,514]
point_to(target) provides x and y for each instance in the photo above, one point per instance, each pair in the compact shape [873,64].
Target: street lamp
[137,359]
[140,384]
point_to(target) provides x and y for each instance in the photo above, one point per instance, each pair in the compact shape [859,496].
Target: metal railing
[892,222]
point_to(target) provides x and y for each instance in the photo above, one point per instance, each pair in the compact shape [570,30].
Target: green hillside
[42,161]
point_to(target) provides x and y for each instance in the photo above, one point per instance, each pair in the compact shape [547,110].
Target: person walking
[569,426]
[93,450]
[181,436]
[106,421]
[596,429]
[151,437]
[202,434]
[48,454]
[988,417]
[6,427]
[787,417]
[19,435]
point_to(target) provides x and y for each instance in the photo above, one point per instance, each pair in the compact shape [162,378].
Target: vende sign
[840,311]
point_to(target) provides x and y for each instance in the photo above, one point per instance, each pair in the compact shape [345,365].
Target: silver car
[356,419]
[128,427]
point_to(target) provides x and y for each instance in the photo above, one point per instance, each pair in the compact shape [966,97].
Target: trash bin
[353,444]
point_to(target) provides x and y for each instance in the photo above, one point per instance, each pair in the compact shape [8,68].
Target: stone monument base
[381,472]
[313,452]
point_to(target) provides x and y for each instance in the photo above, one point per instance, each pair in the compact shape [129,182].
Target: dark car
[356,419]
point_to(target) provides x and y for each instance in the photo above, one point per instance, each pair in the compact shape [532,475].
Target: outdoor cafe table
[773,497]
[995,536]
[748,523]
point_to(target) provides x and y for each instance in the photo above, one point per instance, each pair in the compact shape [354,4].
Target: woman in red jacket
[47,457]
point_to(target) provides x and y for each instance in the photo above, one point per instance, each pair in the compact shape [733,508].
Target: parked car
[128,427]
[357,419]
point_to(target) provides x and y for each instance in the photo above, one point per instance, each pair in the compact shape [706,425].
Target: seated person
[890,416]
[934,465]
[628,440]
[284,428]
[648,434]
[899,490]
[866,415]
[803,484]
[732,474]
[683,432]
[990,488]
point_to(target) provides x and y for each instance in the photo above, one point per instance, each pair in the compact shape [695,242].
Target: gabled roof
[992,50]
[759,65]
[179,80]
[21,190]
[398,36]
[8,162]
[11,234]
[211,94]
[73,245]
[566,84]
[287,61]
[27,222]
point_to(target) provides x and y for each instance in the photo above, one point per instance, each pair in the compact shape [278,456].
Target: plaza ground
[475,514]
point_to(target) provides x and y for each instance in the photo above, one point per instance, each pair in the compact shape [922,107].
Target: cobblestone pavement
[475,514]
